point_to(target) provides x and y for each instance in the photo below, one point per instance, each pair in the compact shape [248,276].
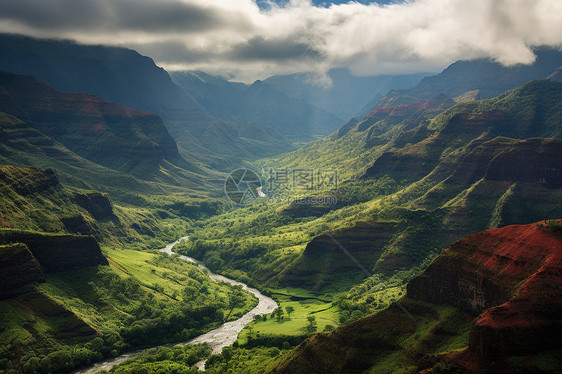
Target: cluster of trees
[243,360]
[62,358]
[176,360]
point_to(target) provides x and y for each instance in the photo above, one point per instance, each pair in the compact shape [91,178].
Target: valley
[160,220]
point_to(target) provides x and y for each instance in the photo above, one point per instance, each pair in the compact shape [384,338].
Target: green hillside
[70,302]
[408,205]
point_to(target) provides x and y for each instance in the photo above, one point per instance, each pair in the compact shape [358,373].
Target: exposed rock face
[527,112]
[512,275]
[507,279]
[473,124]
[78,225]
[58,252]
[440,102]
[106,133]
[475,165]
[399,165]
[18,267]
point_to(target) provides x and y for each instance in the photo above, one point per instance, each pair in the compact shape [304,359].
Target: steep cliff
[526,112]
[18,267]
[57,252]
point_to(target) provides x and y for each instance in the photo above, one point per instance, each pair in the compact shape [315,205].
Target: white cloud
[238,39]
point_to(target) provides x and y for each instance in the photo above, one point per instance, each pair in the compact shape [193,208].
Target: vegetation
[142,299]
[554,226]
[326,264]
[289,320]
[179,359]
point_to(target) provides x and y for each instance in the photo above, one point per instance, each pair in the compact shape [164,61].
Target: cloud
[239,39]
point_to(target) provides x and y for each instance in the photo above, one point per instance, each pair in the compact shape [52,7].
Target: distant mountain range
[259,104]
[341,93]
[486,78]
[90,142]
[124,77]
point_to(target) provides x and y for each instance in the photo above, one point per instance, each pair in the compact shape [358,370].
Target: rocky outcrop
[97,204]
[439,102]
[78,225]
[473,124]
[18,268]
[512,276]
[57,252]
[524,113]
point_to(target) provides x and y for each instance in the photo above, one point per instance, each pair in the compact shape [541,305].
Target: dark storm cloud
[173,52]
[259,48]
[54,14]
[127,15]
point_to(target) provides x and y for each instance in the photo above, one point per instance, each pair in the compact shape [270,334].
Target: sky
[246,40]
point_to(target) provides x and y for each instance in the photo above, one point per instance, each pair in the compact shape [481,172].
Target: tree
[329,328]
[312,326]
[235,299]
[278,313]
[227,353]
[289,310]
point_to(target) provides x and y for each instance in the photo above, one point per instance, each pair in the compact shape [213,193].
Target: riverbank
[216,339]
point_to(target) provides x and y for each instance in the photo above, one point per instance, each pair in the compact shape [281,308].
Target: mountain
[125,77]
[533,110]
[120,138]
[352,149]
[473,166]
[258,103]
[115,74]
[487,77]
[341,93]
[117,137]
[489,303]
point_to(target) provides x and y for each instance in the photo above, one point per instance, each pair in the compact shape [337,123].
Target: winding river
[216,339]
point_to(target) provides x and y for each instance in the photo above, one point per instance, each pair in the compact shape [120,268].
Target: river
[216,339]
